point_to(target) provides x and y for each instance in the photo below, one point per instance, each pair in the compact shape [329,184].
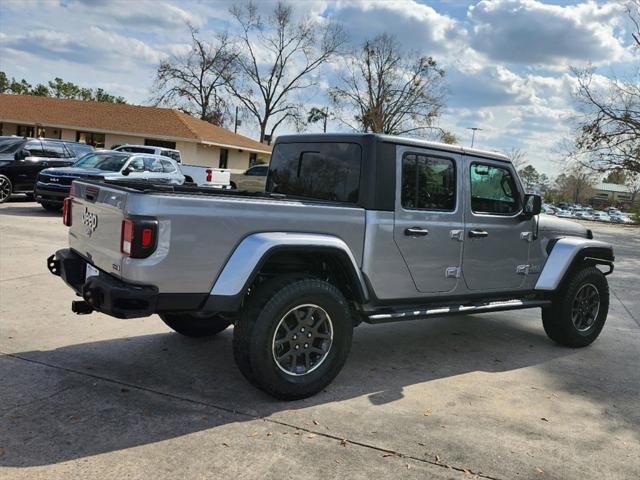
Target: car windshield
[10,145]
[110,162]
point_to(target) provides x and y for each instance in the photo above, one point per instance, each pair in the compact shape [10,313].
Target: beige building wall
[67,134]
[9,128]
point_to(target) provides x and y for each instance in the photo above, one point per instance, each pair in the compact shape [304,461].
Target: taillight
[138,237]
[209,174]
[66,212]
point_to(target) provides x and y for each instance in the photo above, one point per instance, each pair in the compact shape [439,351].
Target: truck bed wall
[198,234]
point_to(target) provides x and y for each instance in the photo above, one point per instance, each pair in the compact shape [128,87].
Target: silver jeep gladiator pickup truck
[351,228]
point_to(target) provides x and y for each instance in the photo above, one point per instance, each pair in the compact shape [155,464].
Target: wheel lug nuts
[302,329]
[308,335]
[306,345]
[297,347]
[295,337]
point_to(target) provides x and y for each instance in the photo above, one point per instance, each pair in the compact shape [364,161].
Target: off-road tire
[254,330]
[557,319]
[51,207]
[191,325]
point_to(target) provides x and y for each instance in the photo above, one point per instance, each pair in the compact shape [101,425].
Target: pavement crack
[248,416]
[625,307]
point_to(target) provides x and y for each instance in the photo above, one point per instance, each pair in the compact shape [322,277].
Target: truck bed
[198,228]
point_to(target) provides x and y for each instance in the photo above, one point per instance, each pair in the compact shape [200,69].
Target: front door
[497,240]
[428,220]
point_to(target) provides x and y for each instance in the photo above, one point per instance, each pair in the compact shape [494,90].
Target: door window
[153,165]
[428,183]
[136,165]
[34,147]
[54,150]
[493,190]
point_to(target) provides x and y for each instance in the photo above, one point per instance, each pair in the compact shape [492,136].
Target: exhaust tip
[80,307]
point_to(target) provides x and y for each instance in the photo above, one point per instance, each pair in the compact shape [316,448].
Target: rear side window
[152,164]
[493,190]
[322,171]
[258,171]
[34,147]
[168,166]
[54,150]
[171,154]
[137,149]
[428,183]
[78,149]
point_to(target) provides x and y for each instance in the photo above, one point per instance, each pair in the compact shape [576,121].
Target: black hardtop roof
[411,141]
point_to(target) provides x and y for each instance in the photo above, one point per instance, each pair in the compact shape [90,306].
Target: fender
[246,260]
[565,252]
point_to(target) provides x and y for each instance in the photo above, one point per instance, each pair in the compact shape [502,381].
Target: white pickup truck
[201,176]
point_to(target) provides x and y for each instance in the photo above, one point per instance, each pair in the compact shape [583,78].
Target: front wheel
[579,309]
[5,188]
[194,325]
[293,336]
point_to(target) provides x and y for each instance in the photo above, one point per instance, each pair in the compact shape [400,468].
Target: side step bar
[440,311]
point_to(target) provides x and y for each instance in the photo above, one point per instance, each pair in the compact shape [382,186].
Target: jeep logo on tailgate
[90,220]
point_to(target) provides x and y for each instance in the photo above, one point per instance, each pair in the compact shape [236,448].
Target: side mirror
[126,171]
[532,206]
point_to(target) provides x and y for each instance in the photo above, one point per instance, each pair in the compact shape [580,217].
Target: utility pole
[473,135]
[235,122]
[326,114]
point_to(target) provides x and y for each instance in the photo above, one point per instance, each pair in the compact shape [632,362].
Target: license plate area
[91,272]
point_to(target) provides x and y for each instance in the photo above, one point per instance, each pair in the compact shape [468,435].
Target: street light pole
[473,135]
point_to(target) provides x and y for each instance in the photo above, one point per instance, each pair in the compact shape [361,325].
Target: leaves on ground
[544,419]
[427,412]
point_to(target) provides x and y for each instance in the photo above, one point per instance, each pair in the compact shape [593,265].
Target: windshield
[110,162]
[10,144]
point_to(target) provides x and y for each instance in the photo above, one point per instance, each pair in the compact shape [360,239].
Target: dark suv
[21,159]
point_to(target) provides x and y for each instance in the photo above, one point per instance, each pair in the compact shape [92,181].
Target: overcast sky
[507,61]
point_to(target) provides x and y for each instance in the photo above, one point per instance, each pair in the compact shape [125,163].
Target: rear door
[429,217]
[28,168]
[497,241]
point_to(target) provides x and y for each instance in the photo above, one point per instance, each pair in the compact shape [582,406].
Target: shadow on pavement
[25,207]
[51,415]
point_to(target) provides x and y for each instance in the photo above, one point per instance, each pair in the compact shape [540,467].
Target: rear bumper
[46,192]
[109,295]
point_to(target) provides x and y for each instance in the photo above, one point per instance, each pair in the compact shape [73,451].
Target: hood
[560,226]
[75,172]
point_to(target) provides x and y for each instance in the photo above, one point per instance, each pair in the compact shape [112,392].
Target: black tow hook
[81,307]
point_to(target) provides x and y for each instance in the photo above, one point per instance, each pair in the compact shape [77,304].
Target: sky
[508,62]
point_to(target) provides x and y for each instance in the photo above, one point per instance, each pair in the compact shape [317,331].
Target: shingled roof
[120,119]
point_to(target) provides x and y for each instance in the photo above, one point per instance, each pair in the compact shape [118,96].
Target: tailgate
[97,214]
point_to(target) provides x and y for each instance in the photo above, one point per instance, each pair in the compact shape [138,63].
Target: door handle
[416,232]
[478,233]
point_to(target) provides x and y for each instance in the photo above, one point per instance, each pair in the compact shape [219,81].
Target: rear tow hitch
[81,307]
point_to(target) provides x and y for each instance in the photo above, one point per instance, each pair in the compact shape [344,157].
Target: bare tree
[608,134]
[518,158]
[575,184]
[193,82]
[276,58]
[388,91]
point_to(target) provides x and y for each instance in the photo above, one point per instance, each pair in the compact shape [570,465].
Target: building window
[90,138]
[25,131]
[253,159]
[159,143]
[224,158]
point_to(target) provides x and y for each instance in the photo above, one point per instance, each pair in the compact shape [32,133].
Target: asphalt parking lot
[458,397]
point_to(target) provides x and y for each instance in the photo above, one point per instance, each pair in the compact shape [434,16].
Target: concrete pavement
[458,397]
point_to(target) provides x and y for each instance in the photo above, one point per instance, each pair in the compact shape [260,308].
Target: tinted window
[324,171]
[168,167]
[34,147]
[79,149]
[171,154]
[110,162]
[137,149]
[152,164]
[257,171]
[428,183]
[493,190]
[10,145]
[54,149]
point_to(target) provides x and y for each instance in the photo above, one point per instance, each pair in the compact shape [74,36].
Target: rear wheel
[5,189]
[195,325]
[293,336]
[579,309]
[51,207]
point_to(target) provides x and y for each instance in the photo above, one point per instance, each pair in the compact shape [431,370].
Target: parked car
[351,228]
[601,217]
[202,176]
[54,184]
[252,180]
[549,209]
[582,215]
[563,214]
[621,218]
[21,159]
